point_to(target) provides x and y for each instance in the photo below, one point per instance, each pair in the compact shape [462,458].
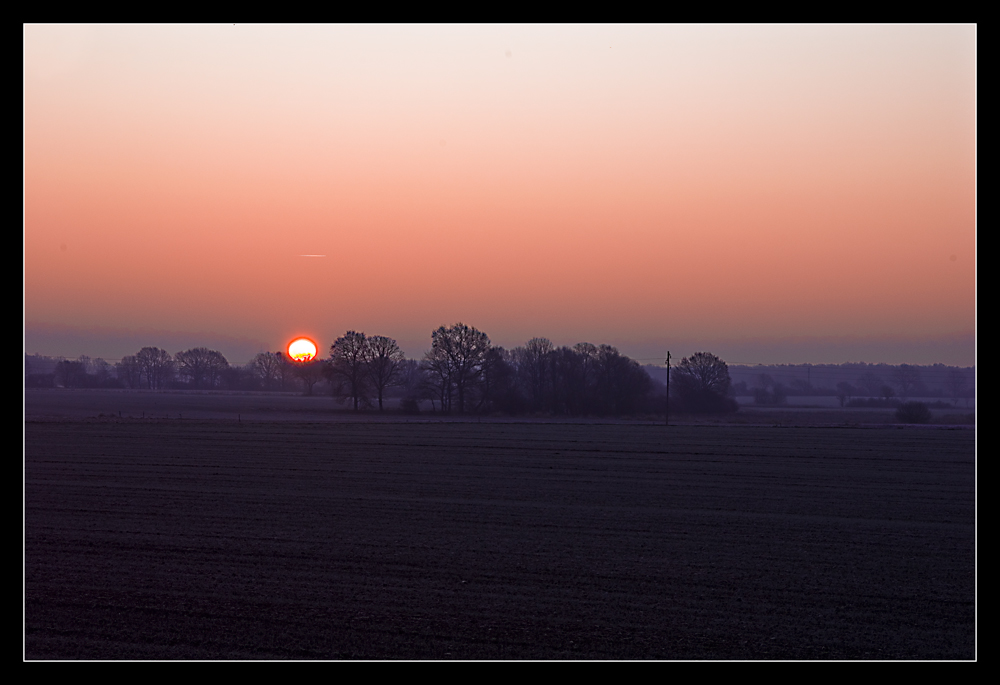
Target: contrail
[312,255]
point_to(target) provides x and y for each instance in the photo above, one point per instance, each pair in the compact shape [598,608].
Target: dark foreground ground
[170,539]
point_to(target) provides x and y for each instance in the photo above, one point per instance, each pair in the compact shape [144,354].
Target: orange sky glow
[646,186]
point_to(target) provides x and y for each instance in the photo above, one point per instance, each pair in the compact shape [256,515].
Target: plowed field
[191,539]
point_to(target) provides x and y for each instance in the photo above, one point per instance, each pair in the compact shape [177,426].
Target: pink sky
[648,186]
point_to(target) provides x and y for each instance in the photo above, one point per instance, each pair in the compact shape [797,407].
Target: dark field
[50,404]
[197,539]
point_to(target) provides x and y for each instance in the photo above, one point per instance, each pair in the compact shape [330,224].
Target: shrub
[913,412]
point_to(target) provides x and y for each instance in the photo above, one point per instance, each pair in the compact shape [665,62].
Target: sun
[302,350]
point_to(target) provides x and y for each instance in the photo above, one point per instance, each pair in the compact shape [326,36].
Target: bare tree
[85,364]
[347,363]
[202,366]
[237,377]
[157,366]
[383,362]
[533,363]
[458,354]
[102,372]
[411,377]
[621,382]
[496,378]
[129,372]
[286,371]
[70,374]
[437,372]
[310,373]
[267,368]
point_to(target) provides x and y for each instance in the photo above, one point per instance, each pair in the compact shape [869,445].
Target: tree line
[874,385]
[462,373]
[465,373]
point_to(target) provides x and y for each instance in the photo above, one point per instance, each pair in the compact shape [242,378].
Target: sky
[773,194]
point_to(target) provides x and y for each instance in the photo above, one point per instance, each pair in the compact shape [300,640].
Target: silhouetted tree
[576,384]
[310,373]
[701,384]
[565,372]
[533,366]
[494,381]
[347,364]
[157,366]
[437,383]
[584,379]
[267,368]
[129,372]
[411,379]
[621,382]
[456,360]
[102,373]
[71,374]
[236,377]
[286,371]
[588,358]
[202,366]
[383,361]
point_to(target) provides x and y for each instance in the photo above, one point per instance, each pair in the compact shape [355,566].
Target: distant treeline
[464,373]
[854,384]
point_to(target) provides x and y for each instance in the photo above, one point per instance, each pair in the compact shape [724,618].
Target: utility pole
[668,387]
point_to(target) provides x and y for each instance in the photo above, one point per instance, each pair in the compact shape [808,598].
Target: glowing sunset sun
[302,350]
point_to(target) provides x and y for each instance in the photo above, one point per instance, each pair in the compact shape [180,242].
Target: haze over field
[772,193]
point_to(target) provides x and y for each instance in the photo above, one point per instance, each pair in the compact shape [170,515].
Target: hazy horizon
[113,344]
[772,194]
